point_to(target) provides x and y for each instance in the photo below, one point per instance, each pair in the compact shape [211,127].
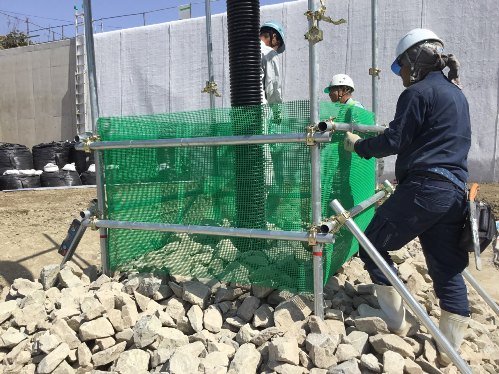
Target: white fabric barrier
[163,68]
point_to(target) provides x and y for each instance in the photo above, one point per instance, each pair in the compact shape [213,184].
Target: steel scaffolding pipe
[441,340]
[94,109]
[493,305]
[331,225]
[205,141]
[313,73]
[209,50]
[209,230]
[330,125]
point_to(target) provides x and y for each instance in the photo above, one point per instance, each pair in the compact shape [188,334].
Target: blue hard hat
[279,29]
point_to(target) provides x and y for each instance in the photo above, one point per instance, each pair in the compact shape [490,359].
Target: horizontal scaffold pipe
[330,125]
[209,230]
[206,141]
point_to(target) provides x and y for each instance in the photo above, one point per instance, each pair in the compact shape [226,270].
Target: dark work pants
[434,211]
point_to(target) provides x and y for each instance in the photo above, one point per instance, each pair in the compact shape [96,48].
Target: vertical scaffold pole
[94,110]
[315,160]
[209,47]
[374,53]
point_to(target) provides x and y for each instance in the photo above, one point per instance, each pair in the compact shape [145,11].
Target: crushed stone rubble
[78,321]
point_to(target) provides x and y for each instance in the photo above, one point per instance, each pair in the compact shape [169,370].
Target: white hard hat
[410,39]
[340,80]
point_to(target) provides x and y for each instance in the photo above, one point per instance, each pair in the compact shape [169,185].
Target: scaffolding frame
[314,238]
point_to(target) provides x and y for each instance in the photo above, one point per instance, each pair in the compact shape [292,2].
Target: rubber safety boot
[453,327]
[392,305]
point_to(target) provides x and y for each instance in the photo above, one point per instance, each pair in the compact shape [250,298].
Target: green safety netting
[246,186]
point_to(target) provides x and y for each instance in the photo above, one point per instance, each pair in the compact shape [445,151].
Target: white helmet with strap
[410,39]
[340,80]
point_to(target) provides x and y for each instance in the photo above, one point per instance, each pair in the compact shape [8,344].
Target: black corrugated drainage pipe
[243,21]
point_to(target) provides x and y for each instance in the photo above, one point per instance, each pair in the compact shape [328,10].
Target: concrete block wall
[37,93]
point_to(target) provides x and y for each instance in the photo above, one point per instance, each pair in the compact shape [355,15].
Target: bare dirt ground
[34,223]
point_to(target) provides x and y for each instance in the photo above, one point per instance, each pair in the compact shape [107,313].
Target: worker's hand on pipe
[350,140]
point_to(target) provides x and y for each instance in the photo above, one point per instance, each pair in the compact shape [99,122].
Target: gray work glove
[350,140]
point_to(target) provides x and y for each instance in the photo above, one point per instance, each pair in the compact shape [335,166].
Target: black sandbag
[87,177]
[15,181]
[55,152]
[60,178]
[15,156]
[81,159]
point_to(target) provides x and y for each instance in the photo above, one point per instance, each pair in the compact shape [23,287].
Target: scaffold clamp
[314,34]
[312,236]
[92,223]
[310,134]
[211,88]
[88,141]
[374,72]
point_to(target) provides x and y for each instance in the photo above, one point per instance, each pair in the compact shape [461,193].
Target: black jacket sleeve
[409,117]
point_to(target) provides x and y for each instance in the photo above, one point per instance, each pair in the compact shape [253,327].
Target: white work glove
[350,140]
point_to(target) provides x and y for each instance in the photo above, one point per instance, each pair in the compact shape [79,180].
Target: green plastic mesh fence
[248,186]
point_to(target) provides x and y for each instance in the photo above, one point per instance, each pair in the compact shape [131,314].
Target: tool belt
[486,228]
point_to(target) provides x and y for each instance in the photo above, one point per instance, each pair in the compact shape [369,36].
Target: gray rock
[410,367]
[212,319]
[347,367]
[321,350]
[106,298]
[48,276]
[226,349]
[196,293]
[108,355]
[53,359]
[165,319]
[146,304]
[11,338]
[99,282]
[114,316]
[68,279]
[160,356]
[64,368]
[104,343]
[284,350]
[391,342]
[246,360]
[295,309]
[7,308]
[370,362]
[371,325]
[184,363]
[149,285]
[124,336]
[428,367]
[91,308]
[334,314]
[146,330]
[318,326]
[195,316]
[359,340]
[265,335]
[67,335]
[98,328]
[260,291]
[24,287]
[248,308]
[171,338]
[430,352]
[129,315]
[246,334]
[48,342]
[163,293]
[284,368]
[393,363]
[84,355]
[132,362]
[195,349]
[264,316]
[345,352]
[214,360]
[175,308]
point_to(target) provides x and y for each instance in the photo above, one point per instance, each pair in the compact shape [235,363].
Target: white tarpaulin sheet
[163,68]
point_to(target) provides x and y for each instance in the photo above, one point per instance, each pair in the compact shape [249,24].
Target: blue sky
[55,13]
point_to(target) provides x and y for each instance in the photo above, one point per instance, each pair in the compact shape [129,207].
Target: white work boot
[392,305]
[453,327]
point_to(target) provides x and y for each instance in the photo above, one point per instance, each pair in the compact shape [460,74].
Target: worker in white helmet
[431,136]
[340,90]
[272,44]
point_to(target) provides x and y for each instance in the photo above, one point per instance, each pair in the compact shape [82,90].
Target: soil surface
[34,223]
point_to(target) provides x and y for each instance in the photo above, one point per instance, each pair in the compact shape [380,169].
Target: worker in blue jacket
[431,136]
